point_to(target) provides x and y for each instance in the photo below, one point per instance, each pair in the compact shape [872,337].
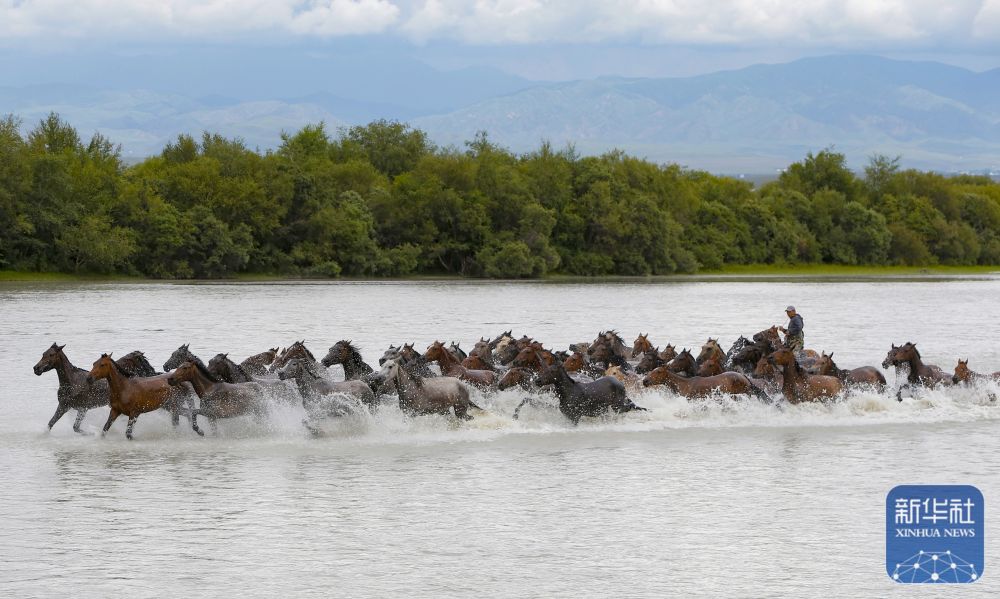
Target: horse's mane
[204,371]
[236,367]
[351,348]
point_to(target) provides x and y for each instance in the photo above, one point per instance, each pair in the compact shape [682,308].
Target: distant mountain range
[754,119]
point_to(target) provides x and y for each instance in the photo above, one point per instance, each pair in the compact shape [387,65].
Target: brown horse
[796,385]
[437,352]
[517,377]
[770,338]
[130,396]
[417,395]
[219,399]
[710,350]
[75,391]
[256,365]
[766,376]
[711,366]
[964,375]
[532,357]
[729,383]
[920,374]
[867,376]
[474,362]
[641,345]
[574,363]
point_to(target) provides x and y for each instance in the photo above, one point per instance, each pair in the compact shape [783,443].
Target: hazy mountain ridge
[759,117]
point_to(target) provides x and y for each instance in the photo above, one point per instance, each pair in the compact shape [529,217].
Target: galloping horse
[297,350]
[711,350]
[135,364]
[455,349]
[710,367]
[474,362]
[964,375]
[631,380]
[516,377]
[641,345]
[181,354]
[862,376]
[76,391]
[577,400]
[347,355]
[920,374]
[417,395]
[741,344]
[312,386]
[684,364]
[437,352]
[130,396]
[224,369]
[610,349]
[256,365]
[729,383]
[796,385]
[219,399]
[651,360]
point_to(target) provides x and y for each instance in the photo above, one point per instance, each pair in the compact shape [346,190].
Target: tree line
[380,200]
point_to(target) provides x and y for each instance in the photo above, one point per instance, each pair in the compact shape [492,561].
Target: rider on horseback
[794,339]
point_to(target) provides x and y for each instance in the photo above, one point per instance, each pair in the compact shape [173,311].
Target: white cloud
[139,19]
[753,22]
[844,23]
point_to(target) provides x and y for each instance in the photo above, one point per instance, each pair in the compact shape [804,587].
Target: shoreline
[734,272]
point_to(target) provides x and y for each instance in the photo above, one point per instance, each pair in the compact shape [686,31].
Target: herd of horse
[590,379]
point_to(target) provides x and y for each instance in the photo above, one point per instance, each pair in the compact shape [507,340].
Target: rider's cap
[790,309]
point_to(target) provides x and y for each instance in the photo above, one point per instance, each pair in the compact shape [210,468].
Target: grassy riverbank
[745,270]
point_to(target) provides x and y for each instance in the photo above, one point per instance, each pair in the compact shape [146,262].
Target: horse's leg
[193,415]
[61,409]
[79,419]
[131,424]
[112,416]
[462,412]
[175,415]
[526,400]
[214,422]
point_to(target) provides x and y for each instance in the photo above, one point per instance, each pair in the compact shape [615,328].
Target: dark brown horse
[920,374]
[75,392]
[437,352]
[347,355]
[684,364]
[729,383]
[224,369]
[798,386]
[766,376]
[652,360]
[131,397]
[219,399]
[864,376]
[577,400]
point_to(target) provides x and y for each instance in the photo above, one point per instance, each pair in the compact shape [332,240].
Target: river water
[714,498]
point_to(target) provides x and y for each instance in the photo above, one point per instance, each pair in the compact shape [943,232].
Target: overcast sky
[540,39]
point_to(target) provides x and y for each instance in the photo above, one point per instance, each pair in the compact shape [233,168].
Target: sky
[537,39]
